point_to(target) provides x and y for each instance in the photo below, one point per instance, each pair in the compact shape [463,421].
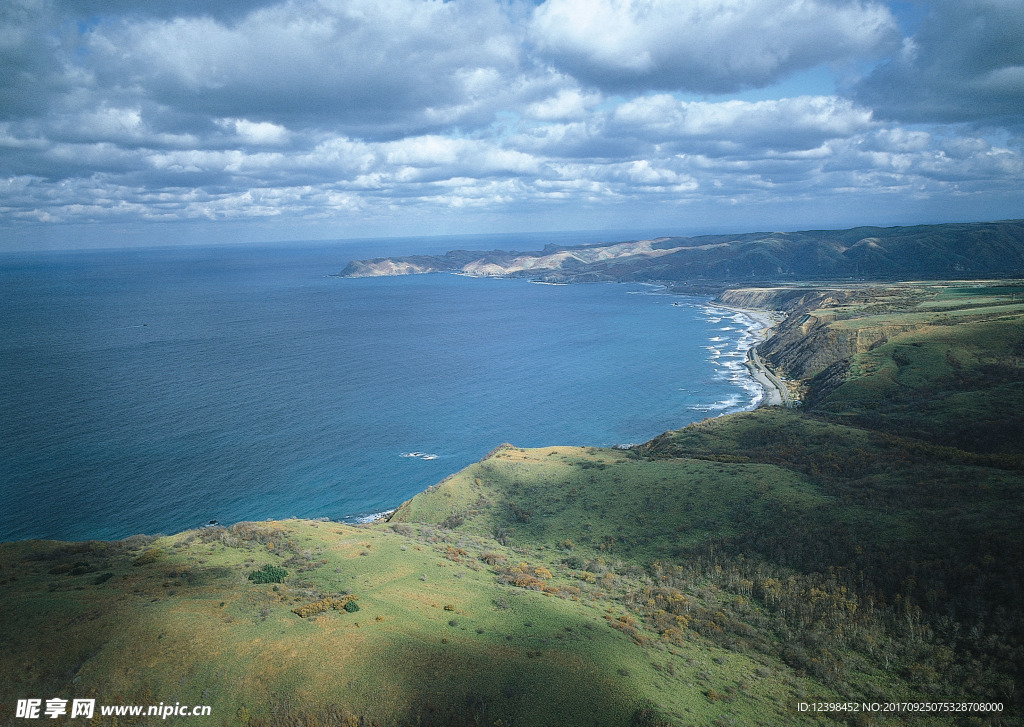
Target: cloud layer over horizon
[332,118]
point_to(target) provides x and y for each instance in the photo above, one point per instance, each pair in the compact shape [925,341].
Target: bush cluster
[627,625]
[534,578]
[345,603]
[268,574]
[149,556]
[454,554]
[491,558]
[72,569]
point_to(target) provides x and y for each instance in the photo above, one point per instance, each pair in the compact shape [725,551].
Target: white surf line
[757,323]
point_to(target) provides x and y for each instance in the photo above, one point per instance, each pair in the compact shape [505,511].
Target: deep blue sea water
[154,390]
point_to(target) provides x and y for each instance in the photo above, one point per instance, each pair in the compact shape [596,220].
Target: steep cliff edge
[824,327]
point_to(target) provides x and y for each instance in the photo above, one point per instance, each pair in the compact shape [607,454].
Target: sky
[135,122]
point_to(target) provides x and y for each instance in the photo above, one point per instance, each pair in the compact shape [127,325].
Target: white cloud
[789,123]
[259,132]
[705,45]
[298,110]
[376,66]
[568,103]
[442,157]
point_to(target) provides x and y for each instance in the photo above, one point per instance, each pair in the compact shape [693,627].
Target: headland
[864,548]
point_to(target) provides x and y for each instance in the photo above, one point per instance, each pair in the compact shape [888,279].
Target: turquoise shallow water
[151,391]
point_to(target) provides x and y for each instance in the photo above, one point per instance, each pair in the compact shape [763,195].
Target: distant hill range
[981,249]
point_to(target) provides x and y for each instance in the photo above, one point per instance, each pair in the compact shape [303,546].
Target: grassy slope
[869,549]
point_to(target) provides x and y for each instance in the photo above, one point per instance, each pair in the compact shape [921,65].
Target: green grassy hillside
[866,548]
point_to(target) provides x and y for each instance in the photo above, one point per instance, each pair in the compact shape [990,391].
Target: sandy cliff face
[381,268]
[812,344]
[781,298]
[563,263]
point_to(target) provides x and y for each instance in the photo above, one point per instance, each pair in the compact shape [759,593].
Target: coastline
[774,390]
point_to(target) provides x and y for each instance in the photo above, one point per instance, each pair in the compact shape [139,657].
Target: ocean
[153,390]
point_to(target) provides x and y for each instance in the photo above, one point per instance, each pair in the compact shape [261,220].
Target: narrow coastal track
[772,378]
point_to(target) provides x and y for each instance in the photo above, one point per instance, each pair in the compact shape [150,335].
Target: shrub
[626,625]
[346,603]
[454,554]
[149,556]
[520,515]
[453,521]
[311,609]
[574,561]
[268,574]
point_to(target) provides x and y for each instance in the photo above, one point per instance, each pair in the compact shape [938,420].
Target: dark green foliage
[268,574]
[149,556]
[454,520]
[648,715]
[574,561]
[519,514]
[73,569]
[342,603]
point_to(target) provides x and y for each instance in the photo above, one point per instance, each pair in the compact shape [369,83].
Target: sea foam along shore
[760,325]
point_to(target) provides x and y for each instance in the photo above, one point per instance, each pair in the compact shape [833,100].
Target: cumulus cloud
[306,110]
[567,103]
[788,123]
[965,64]
[257,132]
[372,67]
[709,46]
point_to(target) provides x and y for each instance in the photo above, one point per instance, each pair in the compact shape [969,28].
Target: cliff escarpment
[824,327]
[831,334]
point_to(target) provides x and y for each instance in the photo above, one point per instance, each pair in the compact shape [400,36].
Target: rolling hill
[946,251]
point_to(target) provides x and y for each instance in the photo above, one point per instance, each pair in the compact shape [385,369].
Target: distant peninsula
[945,251]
